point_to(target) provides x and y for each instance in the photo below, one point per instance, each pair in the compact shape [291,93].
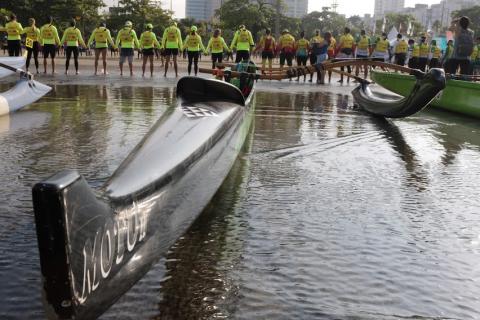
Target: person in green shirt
[243,41]
[101,36]
[14,30]
[172,43]
[193,44]
[148,43]
[31,42]
[127,40]
[49,39]
[216,45]
[73,37]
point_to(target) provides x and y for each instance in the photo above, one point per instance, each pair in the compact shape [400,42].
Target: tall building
[382,7]
[201,9]
[205,9]
[442,12]
[296,8]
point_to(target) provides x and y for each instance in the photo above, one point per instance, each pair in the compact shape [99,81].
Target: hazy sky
[348,7]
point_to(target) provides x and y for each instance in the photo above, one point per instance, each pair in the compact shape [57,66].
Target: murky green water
[327,214]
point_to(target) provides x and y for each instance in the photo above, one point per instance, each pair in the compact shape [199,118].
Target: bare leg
[121,68]
[143,65]
[104,58]
[53,65]
[44,65]
[130,66]
[97,55]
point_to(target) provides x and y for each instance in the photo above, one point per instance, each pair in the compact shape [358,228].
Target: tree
[139,12]
[255,15]
[473,14]
[324,21]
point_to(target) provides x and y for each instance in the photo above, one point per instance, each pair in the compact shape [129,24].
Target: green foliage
[139,12]
[255,15]
[63,11]
[324,21]
[473,14]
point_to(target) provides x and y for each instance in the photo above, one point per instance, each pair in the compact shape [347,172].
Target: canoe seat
[194,89]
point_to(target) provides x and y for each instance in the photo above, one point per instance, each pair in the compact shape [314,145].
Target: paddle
[20,71]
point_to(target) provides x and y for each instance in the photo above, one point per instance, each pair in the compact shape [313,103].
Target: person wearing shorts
[49,40]
[216,46]
[31,42]
[14,31]
[172,42]
[345,48]
[267,46]
[320,47]
[148,43]
[362,52]
[302,47]
[101,36]
[73,37]
[286,45]
[243,42]
[127,40]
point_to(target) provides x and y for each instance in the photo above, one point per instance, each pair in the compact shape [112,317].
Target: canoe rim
[196,89]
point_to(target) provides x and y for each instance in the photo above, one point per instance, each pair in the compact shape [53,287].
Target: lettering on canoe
[120,234]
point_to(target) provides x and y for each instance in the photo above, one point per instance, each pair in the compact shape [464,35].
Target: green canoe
[458,96]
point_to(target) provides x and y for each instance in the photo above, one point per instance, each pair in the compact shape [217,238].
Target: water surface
[327,214]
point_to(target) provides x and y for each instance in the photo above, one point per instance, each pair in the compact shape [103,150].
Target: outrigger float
[425,87]
[95,244]
[25,91]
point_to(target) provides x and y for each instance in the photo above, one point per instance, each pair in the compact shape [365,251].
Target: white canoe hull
[22,94]
[14,62]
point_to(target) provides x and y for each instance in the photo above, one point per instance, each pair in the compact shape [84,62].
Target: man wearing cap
[193,44]
[243,41]
[286,45]
[172,43]
[102,38]
[148,43]
[127,40]
[424,52]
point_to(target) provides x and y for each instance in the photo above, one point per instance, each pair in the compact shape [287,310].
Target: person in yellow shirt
[243,42]
[31,42]
[148,43]
[476,57]
[194,46]
[415,54]
[302,47]
[345,48]
[436,54]
[331,53]
[267,46]
[127,41]
[424,51]
[286,46]
[172,44]
[14,31]
[49,40]
[400,49]
[101,36]
[72,37]
[216,46]
[362,52]
[380,53]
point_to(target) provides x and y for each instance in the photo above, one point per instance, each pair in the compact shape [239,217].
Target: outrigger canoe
[25,92]
[422,92]
[459,96]
[94,245]
[13,62]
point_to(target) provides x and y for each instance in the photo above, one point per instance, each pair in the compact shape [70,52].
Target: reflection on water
[327,214]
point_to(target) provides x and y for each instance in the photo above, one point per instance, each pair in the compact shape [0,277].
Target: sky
[347,7]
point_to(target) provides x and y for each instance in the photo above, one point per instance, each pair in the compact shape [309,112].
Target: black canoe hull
[94,247]
[426,88]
